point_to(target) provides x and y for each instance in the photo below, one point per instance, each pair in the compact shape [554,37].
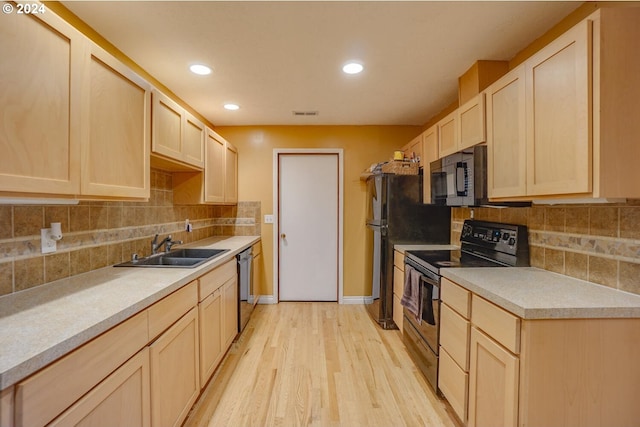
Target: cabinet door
[448,134]
[493,383]
[230,312]
[214,170]
[193,147]
[116,129]
[231,174]
[472,125]
[429,154]
[559,130]
[175,376]
[210,321]
[453,381]
[122,399]
[414,149]
[39,93]
[506,136]
[167,126]
[258,276]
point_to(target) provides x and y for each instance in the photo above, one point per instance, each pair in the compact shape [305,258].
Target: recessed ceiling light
[232,107]
[352,68]
[200,69]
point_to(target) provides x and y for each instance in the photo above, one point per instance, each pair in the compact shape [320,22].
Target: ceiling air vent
[305,113]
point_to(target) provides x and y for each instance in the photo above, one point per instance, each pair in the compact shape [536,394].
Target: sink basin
[181,258]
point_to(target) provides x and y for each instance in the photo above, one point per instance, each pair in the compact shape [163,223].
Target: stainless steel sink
[181,258]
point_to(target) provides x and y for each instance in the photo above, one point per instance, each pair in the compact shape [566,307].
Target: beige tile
[128,216]
[603,271]
[114,217]
[536,256]
[99,217]
[56,266]
[576,265]
[487,214]
[27,220]
[80,218]
[517,216]
[577,220]
[554,219]
[554,260]
[99,257]
[603,221]
[79,261]
[6,278]
[630,222]
[28,273]
[6,222]
[535,218]
[114,254]
[57,214]
[629,277]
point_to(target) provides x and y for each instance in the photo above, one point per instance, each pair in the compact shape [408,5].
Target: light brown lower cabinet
[536,372]
[230,310]
[398,288]
[175,374]
[211,345]
[122,399]
[493,383]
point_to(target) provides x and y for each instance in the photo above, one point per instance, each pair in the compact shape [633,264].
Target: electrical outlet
[48,244]
[268,219]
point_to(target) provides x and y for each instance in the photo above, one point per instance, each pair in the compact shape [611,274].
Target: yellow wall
[362,145]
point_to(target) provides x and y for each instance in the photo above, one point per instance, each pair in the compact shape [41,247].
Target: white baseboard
[357,300]
[267,299]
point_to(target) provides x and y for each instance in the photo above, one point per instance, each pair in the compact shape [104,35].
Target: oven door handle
[427,301]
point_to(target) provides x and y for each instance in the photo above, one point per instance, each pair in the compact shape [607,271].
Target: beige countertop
[532,293]
[403,248]
[40,324]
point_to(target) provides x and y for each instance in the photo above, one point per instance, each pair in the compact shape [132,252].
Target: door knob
[283,236]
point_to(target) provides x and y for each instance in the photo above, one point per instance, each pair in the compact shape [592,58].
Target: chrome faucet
[167,241]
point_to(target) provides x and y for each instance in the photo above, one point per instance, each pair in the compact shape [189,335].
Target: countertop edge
[19,371]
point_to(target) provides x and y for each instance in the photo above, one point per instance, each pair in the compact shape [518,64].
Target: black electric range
[482,244]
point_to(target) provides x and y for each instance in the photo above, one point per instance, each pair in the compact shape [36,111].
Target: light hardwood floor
[317,364]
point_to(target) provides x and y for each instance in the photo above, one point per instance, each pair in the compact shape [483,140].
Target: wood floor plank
[318,364]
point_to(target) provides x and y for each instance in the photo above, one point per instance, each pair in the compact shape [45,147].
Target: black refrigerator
[396,215]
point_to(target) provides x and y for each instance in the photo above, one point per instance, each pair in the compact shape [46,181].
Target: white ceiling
[275,57]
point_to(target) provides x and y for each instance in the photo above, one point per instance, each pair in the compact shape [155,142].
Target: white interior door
[308,198]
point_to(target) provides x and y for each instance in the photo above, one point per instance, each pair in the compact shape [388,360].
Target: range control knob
[512,241]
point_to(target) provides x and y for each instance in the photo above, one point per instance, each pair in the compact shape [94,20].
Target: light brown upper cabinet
[448,134]
[413,150]
[115,123]
[75,121]
[429,154]
[581,108]
[218,184]
[178,137]
[462,128]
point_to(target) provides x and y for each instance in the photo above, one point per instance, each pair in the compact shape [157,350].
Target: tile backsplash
[599,243]
[98,234]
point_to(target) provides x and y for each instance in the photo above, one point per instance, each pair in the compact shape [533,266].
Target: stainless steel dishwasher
[246,300]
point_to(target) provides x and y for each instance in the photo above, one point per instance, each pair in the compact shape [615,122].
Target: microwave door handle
[461,178]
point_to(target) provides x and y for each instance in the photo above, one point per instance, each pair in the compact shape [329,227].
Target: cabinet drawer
[454,384]
[398,282]
[46,394]
[398,260]
[216,278]
[456,297]
[499,324]
[454,335]
[167,311]
[256,249]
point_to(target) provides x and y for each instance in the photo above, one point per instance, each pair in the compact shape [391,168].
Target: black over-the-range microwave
[460,179]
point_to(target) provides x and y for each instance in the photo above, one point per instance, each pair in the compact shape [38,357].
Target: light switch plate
[268,219]
[48,244]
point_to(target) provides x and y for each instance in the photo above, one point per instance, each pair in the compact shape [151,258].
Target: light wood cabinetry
[493,383]
[213,313]
[103,406]
[115,122]
[218,184]
[258,271]
[177,136]
[75,121]
[398,288]
[413,150]
[429,154]
[37,403]
[538,372]
[448,134]
[472,125]
[175,375]
[6,407]
[229,311]
[576,142]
